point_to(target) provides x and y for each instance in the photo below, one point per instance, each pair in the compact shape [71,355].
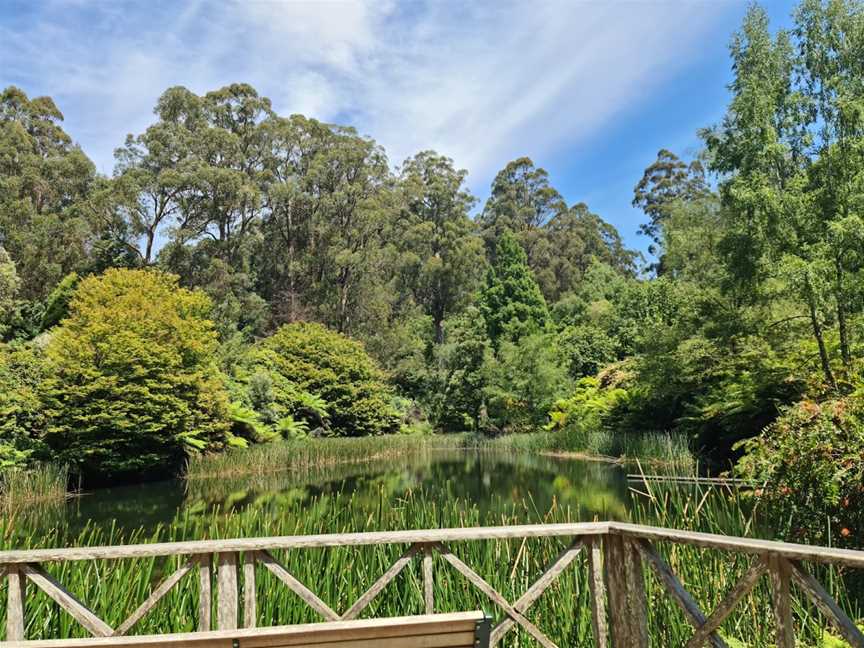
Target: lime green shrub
[325,378]
[131,384]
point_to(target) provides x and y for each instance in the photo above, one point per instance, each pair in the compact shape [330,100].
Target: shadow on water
[493,482]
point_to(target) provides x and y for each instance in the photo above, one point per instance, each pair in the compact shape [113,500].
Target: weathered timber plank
[781,601]
[676,590]
[597,590]
[250,590]
[163,588]
[428,580]
[381,583]
[227,600]
[638,604]
[724,609]
[788,550]
[80,612]
[305,541]
[495,597]
[205,592]
[828,606]
[616,585]
[276,568]
[550,574]
[16,596]
[393,629]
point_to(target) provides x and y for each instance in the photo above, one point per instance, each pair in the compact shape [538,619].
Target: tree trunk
[842,325]
[820,340]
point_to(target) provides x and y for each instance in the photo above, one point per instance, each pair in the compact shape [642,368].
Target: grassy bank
[114,588]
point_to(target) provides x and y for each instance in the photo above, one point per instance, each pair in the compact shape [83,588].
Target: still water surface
[491,482]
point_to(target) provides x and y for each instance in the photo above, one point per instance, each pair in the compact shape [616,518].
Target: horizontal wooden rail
[616,556]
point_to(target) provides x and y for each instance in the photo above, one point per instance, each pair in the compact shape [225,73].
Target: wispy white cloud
[481,82]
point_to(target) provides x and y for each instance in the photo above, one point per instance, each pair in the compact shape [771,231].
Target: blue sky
[589,89]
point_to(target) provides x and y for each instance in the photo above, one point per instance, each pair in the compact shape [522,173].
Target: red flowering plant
[809,466]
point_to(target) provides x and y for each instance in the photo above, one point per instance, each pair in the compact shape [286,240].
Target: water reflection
[494,482]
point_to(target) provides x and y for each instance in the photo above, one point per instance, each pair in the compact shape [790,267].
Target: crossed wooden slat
[622,555]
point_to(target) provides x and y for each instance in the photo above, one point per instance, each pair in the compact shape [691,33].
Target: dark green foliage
[511,302]
[459,388]
[525,378]
[57,302]
[586,349]
[308,359]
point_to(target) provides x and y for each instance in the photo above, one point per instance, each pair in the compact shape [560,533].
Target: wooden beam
[250,591]
[428,580]
[724,609]
[227,599]
[615,560]
[550,574]
[788,550]
[205,592]
[827,605]
[381,583]
[297,587]
[638,604]
[597,590]
[306,541]
[453,630]
[17,596]
[676,590]
[80,612]
[781,601]
[495,597]
[163,588]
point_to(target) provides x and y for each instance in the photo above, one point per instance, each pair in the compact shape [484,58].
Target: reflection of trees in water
[492,480]
[483,481]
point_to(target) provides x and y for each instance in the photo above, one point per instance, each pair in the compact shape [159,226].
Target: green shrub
[131,383]
[21,420]
[524,381]
[809,465]
[586,349]
[327,379]
[580,417]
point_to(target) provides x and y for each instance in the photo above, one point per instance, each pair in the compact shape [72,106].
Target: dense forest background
[244,276]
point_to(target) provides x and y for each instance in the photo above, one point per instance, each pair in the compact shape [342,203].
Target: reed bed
[41,484]
[309,455]
[339,575]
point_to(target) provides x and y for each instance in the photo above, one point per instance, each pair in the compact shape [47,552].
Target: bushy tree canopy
[306,358]
[131,383]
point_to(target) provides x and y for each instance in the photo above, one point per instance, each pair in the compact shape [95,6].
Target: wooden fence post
[226,581]
[205,580]
[782,603]
[628,611]
[598,593]
[15,604]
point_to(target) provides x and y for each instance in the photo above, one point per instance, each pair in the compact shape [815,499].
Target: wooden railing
[616,555]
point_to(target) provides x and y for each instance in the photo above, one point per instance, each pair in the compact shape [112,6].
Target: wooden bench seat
[459,630]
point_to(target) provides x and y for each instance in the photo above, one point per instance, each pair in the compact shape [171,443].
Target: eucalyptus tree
[666,182]
[44,177]
[442,256]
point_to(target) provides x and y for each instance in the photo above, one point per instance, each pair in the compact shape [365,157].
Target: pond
[493,484]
